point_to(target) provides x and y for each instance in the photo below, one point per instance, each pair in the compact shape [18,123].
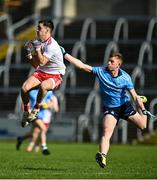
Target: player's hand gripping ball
[144,99]
[29,48]
[37,44]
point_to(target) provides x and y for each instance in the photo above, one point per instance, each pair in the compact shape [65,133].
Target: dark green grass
[78,161]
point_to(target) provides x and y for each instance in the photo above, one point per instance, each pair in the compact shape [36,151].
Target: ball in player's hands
[29,46]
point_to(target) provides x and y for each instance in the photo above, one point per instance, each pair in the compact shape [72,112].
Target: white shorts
[45,115]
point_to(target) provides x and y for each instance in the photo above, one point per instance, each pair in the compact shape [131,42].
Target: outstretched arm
[76,62]
[137,100]
[140,106]
[53,104]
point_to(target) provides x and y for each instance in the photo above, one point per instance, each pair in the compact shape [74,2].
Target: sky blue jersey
[33,96]
[113,89]
[44,114]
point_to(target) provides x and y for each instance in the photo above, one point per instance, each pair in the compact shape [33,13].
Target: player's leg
[43,131]
[35,134]
[30,83]
[20,139]
[139,119]
[136,117]
[51,82]
[109,123]
[45,86]
[133,115]
[43,136]
[37,145]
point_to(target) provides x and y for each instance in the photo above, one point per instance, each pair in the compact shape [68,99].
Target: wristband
[148,114]
[144,111]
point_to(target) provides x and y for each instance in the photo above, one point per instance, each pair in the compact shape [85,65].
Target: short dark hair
[118,55]
[47,23]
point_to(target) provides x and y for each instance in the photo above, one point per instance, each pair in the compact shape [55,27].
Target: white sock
[44,146]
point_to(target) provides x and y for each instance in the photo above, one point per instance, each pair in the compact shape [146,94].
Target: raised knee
[24,88]
[143,126]
[42,86]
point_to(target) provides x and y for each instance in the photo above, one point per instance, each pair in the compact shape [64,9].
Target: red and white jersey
[52,51]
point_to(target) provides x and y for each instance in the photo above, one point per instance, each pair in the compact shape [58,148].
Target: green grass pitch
[77,161]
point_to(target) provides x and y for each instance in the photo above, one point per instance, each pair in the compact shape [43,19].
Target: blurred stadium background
[89,30]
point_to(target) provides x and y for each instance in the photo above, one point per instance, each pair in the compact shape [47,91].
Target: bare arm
[76,62]
[137,99]
[34,54]
[33,61]
[40,58]
[53,104]
[37,60]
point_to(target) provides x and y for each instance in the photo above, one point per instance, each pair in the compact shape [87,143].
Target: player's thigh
[48,84]
[137,120]
[109,124]
[36,130]
[40,124]
[30,83]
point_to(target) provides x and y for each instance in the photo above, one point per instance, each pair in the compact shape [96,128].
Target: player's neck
[114,73]
[46,38]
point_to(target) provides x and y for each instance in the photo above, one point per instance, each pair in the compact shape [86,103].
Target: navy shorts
[120,112]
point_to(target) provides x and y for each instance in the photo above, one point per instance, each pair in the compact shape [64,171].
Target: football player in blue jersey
[41,124]
[114,85]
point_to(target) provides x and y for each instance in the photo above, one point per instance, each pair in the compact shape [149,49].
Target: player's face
[113,63]
[42,32]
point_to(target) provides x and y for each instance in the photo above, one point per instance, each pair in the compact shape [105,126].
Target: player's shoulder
[54,41]
[125,76]
[124,73]
[50,41]
[53,44]
[99,68]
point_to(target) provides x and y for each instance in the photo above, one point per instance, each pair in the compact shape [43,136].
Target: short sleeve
[49,51]
[95,70]
[129,83]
